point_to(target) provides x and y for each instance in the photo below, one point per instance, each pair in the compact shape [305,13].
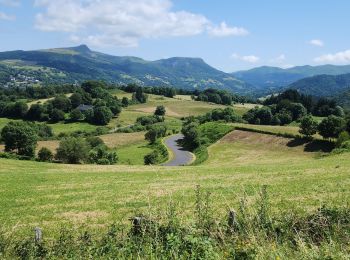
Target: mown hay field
[51,195]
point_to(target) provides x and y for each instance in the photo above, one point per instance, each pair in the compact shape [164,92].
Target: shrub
[95,141]
[343,137]
[45,155]
[125,102]
[149,120]
[155,132]
[160,111]
[100,155]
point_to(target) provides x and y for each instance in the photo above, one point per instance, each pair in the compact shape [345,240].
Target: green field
[49,195]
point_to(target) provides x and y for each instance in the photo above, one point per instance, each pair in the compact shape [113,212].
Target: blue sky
[228,34]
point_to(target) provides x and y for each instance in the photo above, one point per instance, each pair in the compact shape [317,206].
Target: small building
[83,108]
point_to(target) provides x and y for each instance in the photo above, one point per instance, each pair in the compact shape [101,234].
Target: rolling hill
[80,63]
[323,85]
[271,78]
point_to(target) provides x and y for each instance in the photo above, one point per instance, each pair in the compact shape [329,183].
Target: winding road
[180,156]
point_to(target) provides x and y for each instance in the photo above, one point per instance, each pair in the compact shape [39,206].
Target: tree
[191,134]
[160,111]
[285,117]
[308,126]
[57,115]
[125,102]
[20,136]
[331,127]
[16,110]
[75,115]
[45,155]
[35,112]
[298,111]
[101,115]
[73,150]
[226,99]
[155,132]
[140,96]
[76,100]
[265,115]
[62,103]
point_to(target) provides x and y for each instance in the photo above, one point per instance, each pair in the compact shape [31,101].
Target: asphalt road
[180,156]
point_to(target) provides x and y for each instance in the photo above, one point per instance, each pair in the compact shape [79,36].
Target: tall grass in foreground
[250,232]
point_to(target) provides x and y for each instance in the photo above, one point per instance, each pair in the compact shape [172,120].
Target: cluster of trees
[192,125]
[219,114]
[322,107]
[330,127]
[90,150]
[207,95]
[291,106]
[159,153]
[39,92]
[283,113]
[21,138]
[219,97]
[102,106]
[162,91]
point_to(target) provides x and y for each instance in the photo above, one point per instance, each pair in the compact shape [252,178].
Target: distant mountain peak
[81,48]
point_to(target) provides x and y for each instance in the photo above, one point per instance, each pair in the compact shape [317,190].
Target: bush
[100,155]
[45,155]
[160,111]
[95,141]
[158,155]
[149,120]
[151,158]
[155,132]
[73,150]
[343,137]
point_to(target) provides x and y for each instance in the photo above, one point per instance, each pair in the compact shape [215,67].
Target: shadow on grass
[312,145]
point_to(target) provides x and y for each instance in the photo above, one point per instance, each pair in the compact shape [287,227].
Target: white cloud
[13,3]
[247,58]
[123,22]
[342,57]
[223,30]
[6,17]
[279,59]
[316,42]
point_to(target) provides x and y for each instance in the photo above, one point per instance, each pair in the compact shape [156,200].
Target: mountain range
[80,63]
[265,77]
[76,64]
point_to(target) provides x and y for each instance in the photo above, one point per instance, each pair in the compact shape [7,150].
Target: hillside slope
[323,85]
[269,78]
[80,63]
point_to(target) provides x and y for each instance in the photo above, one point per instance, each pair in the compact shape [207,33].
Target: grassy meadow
[49,195]
[92,197]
